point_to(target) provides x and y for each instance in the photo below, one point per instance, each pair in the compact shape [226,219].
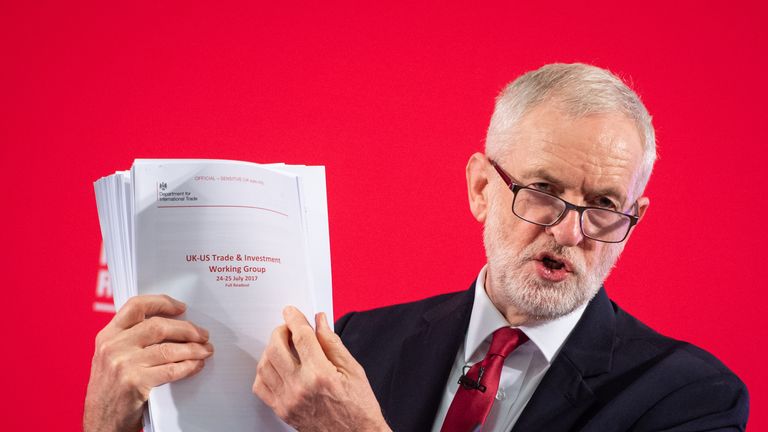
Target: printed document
[236,242]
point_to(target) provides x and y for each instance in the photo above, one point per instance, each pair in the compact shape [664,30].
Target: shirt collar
[548,336]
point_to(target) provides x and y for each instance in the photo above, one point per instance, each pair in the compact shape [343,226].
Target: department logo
[163,186]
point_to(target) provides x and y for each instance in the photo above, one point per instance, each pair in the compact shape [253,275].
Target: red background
[392,99]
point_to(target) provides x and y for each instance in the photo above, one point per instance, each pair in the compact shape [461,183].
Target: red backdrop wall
[392,99]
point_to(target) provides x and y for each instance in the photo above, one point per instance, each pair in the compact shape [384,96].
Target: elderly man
[533,345]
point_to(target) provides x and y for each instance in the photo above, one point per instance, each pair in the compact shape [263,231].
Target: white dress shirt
[523,368]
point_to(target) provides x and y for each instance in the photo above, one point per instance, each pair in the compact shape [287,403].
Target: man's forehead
[602,151]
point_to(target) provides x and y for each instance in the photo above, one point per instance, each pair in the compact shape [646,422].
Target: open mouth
[552,267]
[552,264]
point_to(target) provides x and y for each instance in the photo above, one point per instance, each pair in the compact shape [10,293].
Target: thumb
[331,344]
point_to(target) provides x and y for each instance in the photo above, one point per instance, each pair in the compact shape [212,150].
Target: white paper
[235,241]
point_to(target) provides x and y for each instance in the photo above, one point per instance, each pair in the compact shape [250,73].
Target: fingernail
[203,332]
[324,320]
[209,347]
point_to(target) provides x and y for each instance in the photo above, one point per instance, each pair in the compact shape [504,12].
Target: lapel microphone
[470,384]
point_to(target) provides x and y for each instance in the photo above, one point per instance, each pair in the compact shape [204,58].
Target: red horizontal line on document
[223,206]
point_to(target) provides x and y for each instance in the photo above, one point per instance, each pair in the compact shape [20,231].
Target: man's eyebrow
[539,173]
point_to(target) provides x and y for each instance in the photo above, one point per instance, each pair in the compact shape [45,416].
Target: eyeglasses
[541,208]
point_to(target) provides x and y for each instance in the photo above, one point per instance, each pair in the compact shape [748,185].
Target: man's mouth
[552,267]
[554,262]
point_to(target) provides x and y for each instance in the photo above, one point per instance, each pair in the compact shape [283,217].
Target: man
[533,345]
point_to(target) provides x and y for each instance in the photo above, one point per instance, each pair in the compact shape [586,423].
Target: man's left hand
[312,382]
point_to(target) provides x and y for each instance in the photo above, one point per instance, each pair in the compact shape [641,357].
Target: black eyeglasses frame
[515,187]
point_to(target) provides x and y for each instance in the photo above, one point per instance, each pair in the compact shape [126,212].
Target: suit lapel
[563,396]
[419,378]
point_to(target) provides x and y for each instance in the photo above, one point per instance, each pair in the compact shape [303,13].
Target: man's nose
[567,232]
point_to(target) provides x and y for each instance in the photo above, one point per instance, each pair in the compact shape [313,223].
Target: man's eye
[606,203]
[544,187]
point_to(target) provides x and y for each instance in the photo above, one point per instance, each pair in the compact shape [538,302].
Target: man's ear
[642,206]
[477,183]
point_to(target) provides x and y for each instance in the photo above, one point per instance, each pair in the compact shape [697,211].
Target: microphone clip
[470,384]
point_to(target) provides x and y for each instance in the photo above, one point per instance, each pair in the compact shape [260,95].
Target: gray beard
[536,298]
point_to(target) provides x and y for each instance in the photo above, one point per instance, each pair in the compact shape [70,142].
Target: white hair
[580,90]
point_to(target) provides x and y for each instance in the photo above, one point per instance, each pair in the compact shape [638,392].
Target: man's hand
[139,349]
[312,382]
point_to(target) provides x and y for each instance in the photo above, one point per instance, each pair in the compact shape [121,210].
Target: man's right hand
[142,347]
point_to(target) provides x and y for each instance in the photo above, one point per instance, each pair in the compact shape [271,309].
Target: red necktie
[478,386]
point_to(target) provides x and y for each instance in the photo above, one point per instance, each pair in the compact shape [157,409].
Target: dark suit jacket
[613,373]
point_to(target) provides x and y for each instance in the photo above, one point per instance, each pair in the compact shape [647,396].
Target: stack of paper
[236,242]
